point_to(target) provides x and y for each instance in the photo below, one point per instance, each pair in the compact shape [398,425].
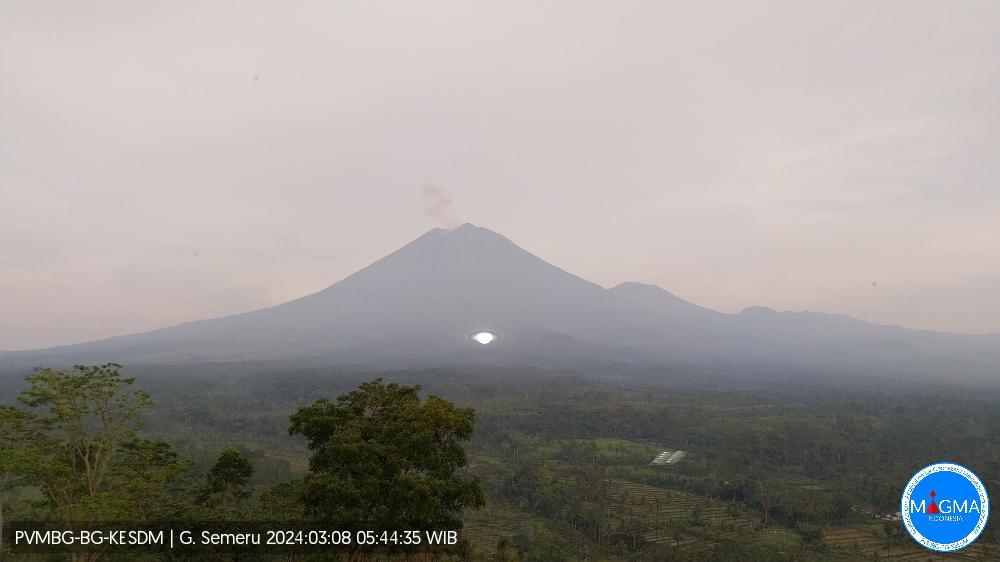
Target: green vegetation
[226,484]
[776,470]
[384,460]
[78,443]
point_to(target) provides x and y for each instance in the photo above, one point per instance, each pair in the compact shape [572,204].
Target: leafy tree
[280,502]
[384,458]
[841,507]
[226,482]
[78,442]
[812,536]
[11,463]
[147,481]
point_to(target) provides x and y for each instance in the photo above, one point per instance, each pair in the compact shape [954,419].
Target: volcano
[422,305]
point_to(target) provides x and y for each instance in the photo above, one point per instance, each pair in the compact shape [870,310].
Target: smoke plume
[436,202]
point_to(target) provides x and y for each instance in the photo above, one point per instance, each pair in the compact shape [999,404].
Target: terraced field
[635,513]
[687,521]
[853,544]
[690,522]
[485,527]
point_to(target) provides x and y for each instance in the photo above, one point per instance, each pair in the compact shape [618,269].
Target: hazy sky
[170,161]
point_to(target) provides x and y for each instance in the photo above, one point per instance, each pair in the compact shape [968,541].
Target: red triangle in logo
[933,508]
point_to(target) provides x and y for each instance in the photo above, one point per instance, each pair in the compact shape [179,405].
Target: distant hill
[419,305]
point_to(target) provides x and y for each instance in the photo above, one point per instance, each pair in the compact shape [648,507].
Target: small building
[668,457]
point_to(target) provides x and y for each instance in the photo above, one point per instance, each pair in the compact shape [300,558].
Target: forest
[531,465]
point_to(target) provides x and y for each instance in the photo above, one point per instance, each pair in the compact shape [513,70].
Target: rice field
[685,521]
[853,544]
[485,527]
[636,513]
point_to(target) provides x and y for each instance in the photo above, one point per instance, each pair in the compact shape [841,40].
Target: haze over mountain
[419,305]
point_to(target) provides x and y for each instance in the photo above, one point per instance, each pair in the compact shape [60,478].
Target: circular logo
[945,507]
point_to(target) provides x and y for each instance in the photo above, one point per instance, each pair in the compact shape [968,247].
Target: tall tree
[384,458]
[78,442]
[227,481]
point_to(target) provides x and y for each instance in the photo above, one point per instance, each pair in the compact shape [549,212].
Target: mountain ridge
[421,302]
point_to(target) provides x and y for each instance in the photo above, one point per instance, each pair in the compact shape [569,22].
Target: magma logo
[945,507]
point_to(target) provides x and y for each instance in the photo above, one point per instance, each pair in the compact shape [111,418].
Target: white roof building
[668,457]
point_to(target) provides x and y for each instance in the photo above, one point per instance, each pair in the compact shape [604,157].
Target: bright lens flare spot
[484,338]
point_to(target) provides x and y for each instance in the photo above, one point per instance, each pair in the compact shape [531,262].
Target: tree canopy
[226,483]
[78,441]
[384,458]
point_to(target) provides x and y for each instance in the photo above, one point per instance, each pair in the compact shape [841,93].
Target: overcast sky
[171,161]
